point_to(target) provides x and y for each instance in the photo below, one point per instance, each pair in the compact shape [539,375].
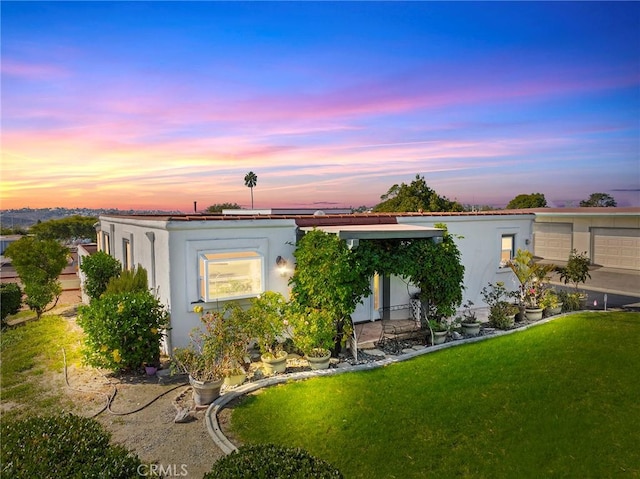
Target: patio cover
[379,231]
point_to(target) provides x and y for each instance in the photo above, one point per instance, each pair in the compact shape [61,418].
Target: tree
[416,196]
[66,229]
[534,200]
[10,300]
[599,199]
[251,180]
[218,207]
[98,269]
[39,263]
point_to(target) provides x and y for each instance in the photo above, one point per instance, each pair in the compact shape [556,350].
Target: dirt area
[142,412]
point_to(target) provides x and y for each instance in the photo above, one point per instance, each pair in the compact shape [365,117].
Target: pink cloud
[32,71]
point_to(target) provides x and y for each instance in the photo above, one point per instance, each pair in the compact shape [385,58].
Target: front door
[368,308]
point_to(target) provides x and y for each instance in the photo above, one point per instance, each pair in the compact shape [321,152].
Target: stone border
[211,415]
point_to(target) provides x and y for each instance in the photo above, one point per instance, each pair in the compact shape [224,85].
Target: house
[209,259]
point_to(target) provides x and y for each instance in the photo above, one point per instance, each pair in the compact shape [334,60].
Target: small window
[126,254]
[106,245]
[230,275]
[508,249]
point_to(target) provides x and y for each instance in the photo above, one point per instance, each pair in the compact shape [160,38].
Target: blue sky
[159,104]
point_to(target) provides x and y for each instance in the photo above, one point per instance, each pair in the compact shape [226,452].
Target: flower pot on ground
[269,326]
[439,331]
[319,359]
[274,363]
[502,312]
[205,392]
[551,303]
[469,321]
[533,314]
[314,332]
[150,370]
[234,377]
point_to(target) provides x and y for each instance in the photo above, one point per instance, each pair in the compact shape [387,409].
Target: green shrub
[10,299]
[570,301]
[271,461]
[129,281]
[62,446]
[123,331]
[98,270]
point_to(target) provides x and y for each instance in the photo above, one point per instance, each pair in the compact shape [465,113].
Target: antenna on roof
[195,206]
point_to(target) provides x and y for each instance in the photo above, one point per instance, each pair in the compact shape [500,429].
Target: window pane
[507,248]
[230,275]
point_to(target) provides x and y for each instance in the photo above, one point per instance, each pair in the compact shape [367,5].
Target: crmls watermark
[163,470]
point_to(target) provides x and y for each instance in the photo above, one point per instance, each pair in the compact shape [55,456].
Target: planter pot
[471,329]
[319,362]
[553,311]
[235,379]
[533,314]
[439,337]
[150,370]
[205,392]
[274,365]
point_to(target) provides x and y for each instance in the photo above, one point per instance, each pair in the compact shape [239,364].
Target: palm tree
[250,180]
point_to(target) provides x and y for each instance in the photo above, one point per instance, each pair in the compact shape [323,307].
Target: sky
[155,105]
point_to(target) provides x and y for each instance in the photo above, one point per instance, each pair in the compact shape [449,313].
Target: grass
[28,352]
[557,400]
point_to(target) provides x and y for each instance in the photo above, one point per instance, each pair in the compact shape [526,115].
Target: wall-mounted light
[282,265]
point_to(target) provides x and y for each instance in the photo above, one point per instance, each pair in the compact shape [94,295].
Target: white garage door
[552,240]
[616,247]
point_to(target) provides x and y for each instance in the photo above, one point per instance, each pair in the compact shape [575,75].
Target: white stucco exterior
[168,248]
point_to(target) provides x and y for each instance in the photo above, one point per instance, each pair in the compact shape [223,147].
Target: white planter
[319,363]
[533,314]
[439,337]
[274,365]
[471,329]
[234,380]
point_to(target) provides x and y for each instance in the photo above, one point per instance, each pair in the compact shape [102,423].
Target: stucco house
[210,259]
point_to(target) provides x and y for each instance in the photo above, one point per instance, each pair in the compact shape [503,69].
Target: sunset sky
[155,105]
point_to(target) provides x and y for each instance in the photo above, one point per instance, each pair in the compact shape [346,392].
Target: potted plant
[533,278]
[551,302]
[269,324]
[469,320]
[236,335]
[202,360]
[576,271]
[439,331]
[502,312]
[314,332]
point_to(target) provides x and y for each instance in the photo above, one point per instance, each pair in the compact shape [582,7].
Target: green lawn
[28,352]
[558,400]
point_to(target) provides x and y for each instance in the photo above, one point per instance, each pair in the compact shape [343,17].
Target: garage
[552,240]
[616,247]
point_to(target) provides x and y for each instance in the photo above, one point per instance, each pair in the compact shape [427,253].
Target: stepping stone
[374,352]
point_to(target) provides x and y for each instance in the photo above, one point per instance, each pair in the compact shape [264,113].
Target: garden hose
[111,396]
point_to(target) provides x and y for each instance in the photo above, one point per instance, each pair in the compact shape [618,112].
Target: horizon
[155,105]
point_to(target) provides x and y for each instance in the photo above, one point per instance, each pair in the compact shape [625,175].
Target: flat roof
[379,231]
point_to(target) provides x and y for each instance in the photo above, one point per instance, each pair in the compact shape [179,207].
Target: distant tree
[39,263]
[534,200]
[66,229]
[98,269]
[599,199]
[416,196]
[218,207]
[251,180]
[361,209]
[17,230]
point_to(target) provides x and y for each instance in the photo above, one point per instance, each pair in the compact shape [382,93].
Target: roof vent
[319,213]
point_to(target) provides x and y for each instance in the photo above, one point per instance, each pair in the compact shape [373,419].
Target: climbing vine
[331,277]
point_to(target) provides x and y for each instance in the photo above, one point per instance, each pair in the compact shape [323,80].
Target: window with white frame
[126,254]
[507,249]
[230,275]
[106,244]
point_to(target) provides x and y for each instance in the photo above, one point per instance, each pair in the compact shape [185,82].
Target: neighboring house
[609,236]
[209,259]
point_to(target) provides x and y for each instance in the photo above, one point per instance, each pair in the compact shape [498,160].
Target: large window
[231,275]
[508,249]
